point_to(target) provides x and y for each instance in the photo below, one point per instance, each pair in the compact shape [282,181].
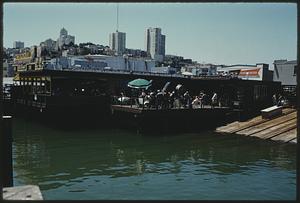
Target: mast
[117,17]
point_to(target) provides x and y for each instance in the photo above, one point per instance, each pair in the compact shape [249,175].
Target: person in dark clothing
[171,99]
[204,100]
[159,99]
[187,100]
[201,98]
[152,100]
[165,100]
[274,99]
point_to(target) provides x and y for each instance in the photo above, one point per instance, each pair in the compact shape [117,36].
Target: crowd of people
[160,99]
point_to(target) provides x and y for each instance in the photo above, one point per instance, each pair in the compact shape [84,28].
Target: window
[295,70]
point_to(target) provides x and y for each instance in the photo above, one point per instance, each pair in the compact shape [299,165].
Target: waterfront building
[155,43]
[200,69]
[18,45]
[164,70]
[64,38]
[260,71]
[285,72]
[117,42]
[101,63]
[24,61]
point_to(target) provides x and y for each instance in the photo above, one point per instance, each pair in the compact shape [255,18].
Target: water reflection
[55,159]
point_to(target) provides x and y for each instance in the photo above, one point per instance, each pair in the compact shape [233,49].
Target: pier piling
[7,169]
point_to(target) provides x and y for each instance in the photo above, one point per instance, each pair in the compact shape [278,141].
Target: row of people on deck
[164,100]
[203,99]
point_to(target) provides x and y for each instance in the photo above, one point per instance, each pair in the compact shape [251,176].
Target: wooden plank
[258,122]
[286,136]
[226,127]
[277,132]
[27,192]
[266,125]
[237,125]
[281,121]
[249,125]
[288,110]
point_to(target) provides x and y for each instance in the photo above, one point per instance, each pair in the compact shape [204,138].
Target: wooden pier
[282,128]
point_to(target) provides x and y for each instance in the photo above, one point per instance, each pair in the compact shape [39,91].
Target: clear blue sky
[217,33]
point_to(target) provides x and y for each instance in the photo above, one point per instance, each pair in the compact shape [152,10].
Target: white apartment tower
[155,43]
[117,42]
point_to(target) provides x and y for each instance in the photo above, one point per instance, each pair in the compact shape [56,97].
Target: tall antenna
[117,16]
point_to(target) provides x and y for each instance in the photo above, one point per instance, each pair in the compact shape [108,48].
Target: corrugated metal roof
[285,62]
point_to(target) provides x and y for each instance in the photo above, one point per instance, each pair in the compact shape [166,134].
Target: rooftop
[284,61]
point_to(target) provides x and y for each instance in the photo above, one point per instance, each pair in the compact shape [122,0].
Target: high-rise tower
[117,40]
[155,43]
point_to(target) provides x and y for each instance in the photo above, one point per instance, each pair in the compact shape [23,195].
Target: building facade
[164,70]
[18,45]
[117,42]
[200,69]
[285,72]
[101,63]
[155,43]
[260,71]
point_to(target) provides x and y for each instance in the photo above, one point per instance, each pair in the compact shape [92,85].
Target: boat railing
[154,103]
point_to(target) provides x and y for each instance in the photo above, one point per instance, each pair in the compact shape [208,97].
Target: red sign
[250,72]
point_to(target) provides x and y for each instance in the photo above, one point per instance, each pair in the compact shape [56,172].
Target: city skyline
[211,32]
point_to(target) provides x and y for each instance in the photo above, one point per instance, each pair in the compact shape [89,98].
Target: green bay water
[114,164]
